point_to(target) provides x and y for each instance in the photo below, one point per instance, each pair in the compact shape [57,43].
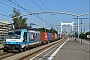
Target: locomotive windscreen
[14,34]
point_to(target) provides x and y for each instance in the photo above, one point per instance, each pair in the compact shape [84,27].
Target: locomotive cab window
[14,34]
[10,33]
[18,33]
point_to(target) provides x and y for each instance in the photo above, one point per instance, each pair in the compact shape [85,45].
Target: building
[3,29]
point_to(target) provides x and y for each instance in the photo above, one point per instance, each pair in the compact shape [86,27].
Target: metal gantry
[53,13]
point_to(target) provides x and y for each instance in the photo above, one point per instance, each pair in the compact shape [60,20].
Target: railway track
[5,55]
[29,53]
[27,57]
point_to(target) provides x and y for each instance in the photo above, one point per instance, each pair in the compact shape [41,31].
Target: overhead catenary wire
[45,21]
[24,9]
[19,6]
[40,19]
[44,5]
[49,10]
[6,5]
[38,25]
[54,16]
[9,4]
[37,5]
[5,15]
[27,10]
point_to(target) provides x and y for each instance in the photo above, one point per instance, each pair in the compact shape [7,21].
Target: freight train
[23,39]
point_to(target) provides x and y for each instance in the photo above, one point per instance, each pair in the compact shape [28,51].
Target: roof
[4,22]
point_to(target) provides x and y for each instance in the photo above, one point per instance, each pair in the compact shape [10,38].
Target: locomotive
[23,39]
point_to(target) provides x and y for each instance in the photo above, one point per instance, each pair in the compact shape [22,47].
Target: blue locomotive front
[20,39]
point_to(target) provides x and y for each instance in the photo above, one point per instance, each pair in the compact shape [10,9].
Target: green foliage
[18,21]
[42,29]
[83,35]
[51,30]
[87,33]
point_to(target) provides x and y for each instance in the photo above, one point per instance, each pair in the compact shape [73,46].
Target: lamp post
[81,31]
[31,18]
[78,27]
[45,20]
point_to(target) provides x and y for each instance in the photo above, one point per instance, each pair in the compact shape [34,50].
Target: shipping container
[55,36]
[62,35]
[43,36]
[58,36]
[52,36]
[49,36]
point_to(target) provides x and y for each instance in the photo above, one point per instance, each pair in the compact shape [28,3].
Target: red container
[43,36]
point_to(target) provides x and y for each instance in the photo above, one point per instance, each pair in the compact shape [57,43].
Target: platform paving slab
[72,50]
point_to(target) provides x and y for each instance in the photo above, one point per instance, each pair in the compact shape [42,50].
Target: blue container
[52,36]
[49,36]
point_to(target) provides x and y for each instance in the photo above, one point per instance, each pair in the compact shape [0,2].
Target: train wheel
[47,42]
[20,50]
[24,49]
[36,46]
[4,50]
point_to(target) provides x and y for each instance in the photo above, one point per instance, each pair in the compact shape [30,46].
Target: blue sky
[70,6]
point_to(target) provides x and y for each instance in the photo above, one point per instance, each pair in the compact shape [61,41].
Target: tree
[82,35]
[53,30]
[47,30]
[42,29]
[18,21]
[87,33]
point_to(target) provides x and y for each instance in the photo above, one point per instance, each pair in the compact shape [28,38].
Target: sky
[69,6]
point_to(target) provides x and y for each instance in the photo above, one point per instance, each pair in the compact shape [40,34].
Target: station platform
[73,50]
